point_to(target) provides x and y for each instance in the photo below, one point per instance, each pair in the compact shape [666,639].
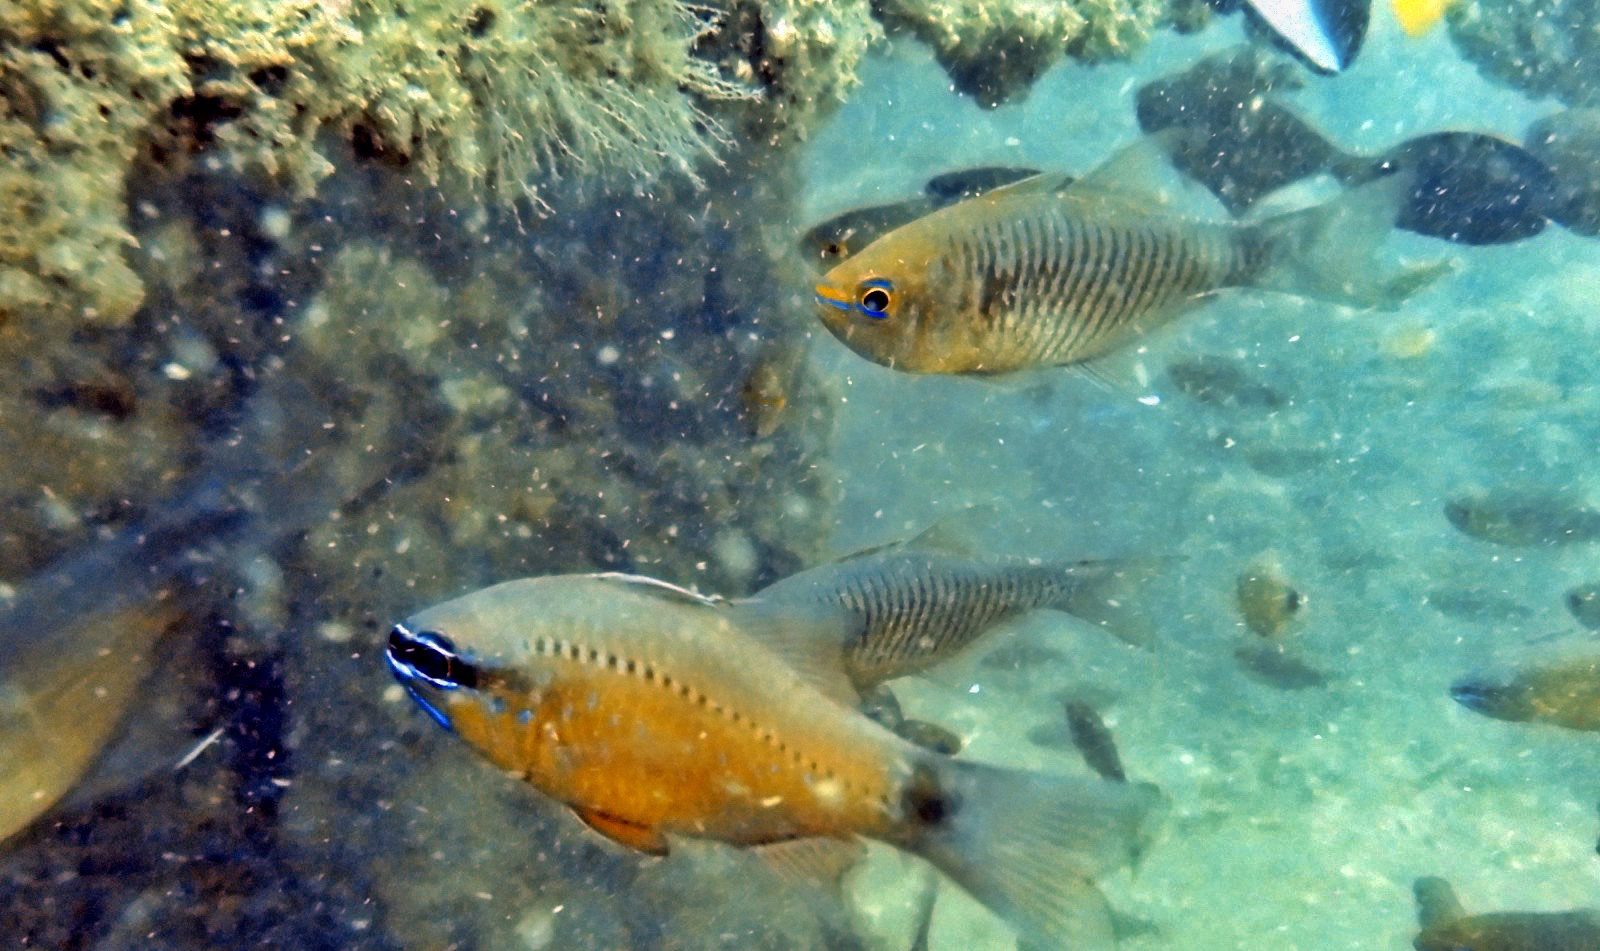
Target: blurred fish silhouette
[1445,925]
[1568,143]
[654,713]
[1466,187]
[1557,684]
[1325,35]
[81,637]
[1523,518]
[1053,271]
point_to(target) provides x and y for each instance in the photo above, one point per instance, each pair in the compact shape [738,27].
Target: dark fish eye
[875,299]
[429,655]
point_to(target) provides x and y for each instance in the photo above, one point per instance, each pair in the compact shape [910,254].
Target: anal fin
[634,836]
[814,860]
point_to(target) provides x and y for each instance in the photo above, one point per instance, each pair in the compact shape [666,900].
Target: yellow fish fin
[636,837]
[1417,17]
[812,860]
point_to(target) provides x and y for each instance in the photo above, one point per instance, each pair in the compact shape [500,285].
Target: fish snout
[1475,695]
[428,665]
[833,297]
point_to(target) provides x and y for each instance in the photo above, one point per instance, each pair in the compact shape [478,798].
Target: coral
[1543,47]
[994,50]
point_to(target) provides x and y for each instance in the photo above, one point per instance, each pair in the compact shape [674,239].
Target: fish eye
[875,298]
[429,655]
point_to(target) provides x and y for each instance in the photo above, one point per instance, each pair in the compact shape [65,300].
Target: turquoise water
[432,396]
[1300,818]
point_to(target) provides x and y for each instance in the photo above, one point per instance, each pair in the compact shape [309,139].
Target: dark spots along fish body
[1445,926]
[1523,519]
[1584,603]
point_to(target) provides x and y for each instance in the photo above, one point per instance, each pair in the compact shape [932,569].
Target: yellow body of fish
[655,713]
[1417,17]
[1051,271]
[61,701]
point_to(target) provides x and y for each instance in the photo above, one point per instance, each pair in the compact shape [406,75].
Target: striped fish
[910,607]
[1049,271]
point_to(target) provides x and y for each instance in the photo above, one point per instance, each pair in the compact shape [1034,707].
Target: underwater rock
[1524,518]
[93,95]
[994,52]
[1559,685]
[1445,925]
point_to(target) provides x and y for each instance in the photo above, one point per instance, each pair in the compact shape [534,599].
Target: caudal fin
[1329,252]
[1029,846]
[1115,594]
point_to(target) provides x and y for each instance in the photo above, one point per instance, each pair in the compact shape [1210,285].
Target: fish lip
[832,298]
[1473,694]
[408,677]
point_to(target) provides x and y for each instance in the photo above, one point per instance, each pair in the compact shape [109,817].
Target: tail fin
[1326,252]
[1112,594]
[1029,845]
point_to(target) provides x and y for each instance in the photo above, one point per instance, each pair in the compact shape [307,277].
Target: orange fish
[654,713]
[1051,271]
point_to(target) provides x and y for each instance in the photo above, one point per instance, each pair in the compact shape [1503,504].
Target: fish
[1268,602]
[1093,741]
[1476,603]
[841,236]
[1276,666]
[1222,381]
[913,604]
[1568,143]
[1445,925]
[83,637]
[1584,603]
[1042,273]
[1524,518]
[1325,35]
[1243,143]
[1417,17]
[654,713]
[1559,685]
[880,704]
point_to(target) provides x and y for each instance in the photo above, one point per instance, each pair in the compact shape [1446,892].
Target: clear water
[1299,818]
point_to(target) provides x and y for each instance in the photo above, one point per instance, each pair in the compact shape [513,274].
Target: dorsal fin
[1141,174]
[1436,902]
[952,534]
[662,589]
[809,638]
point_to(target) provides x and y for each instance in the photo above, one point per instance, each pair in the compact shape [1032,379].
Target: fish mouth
[830,297]
[401,643]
